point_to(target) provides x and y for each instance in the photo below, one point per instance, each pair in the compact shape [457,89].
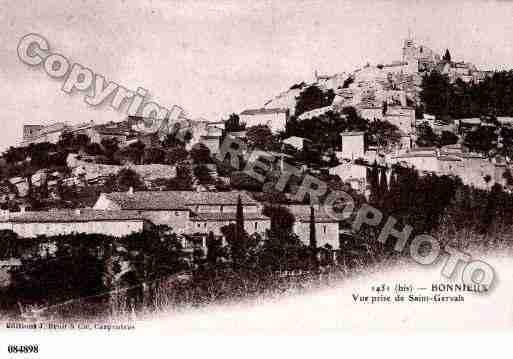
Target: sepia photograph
[253,168]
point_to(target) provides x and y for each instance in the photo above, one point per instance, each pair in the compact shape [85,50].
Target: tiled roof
[82,215]
[470,155]
[81,126]
[176,200]
[59,126]
[395,64]
[449,158]
[302,213]
[471,121]
[119,128]
[424,149]
[230,216]
[352,133]
[293,138]
[261,111]
[365,104]
[55,127]
[413,155]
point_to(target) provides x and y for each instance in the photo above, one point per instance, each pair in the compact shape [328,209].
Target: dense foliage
[491,97]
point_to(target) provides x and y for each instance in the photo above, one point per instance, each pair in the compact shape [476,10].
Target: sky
[216,57]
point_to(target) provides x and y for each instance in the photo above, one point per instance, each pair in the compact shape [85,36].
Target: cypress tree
[238,245]
[239,219]
[374,183]
[212,248]
[383,186]
[313,239]
[447,56]
[393,181]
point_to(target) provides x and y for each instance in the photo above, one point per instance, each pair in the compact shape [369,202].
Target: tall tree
[233,124]
[383,185]
[448,138]
[200,153]
[426,137]
[110,147]
[436,94]
[261,137]
[374,183]
[313,237]
[313,97]
[447,56]
[125,179]
[213,248]
[239,217]
[482,140]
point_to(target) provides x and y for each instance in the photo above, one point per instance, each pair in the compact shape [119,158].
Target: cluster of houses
[474,169]
[191,215]
[385,92]
[52,133]
[135,128]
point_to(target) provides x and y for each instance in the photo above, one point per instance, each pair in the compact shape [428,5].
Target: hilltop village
[355,131]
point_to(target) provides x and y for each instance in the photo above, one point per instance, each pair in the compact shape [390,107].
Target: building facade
[274,118]
[326,227]
[189,212]
[30,224]
[353,145]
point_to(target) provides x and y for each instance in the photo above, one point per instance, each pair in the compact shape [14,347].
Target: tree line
[493,96]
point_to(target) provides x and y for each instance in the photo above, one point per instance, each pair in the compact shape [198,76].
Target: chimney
[130,191]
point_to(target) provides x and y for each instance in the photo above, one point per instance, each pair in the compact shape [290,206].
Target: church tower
[410,55]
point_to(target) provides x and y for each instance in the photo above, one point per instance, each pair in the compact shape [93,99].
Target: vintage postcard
[183,168]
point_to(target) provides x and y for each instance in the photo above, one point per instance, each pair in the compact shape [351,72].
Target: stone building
[332,82]
[353,145]
[30,224]
[120,131]
[189,212]
[286,99]
[30,131]
[370,110]
[212,138]
[38,134]
[274,118]
[297,142]
[418,57]
[326,227]
[473,169]
[354,174]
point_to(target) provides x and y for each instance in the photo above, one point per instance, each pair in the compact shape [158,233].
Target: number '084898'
[22,349]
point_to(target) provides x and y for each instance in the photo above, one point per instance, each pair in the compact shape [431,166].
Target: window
[221,209]
[205,224]
[324,229]
[177,213]
[256,226]
[199,225]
